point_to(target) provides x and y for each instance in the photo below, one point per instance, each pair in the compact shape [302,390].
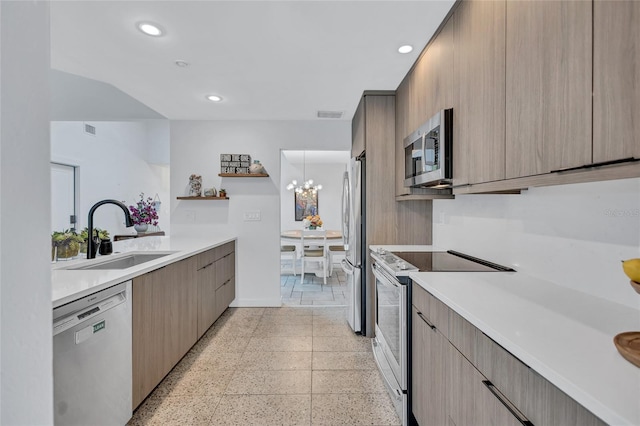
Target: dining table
[292,236]
[296,234]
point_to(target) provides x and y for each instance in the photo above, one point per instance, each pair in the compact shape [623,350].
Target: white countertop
[70,285]
[564,335]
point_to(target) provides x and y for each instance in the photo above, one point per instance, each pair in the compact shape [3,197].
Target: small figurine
[195,186]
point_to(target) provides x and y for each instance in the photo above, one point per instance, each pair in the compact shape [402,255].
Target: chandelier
[307,186]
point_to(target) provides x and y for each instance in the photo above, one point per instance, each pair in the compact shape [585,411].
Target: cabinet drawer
[462,334]
[225,295]
[504,370]
[206,259]
[538,399]
[225,249]
[225,269]
[436,312]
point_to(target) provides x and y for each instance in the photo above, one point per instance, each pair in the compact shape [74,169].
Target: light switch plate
[252,216]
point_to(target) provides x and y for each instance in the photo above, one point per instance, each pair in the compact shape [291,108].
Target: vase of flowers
[144,214]
[313,222]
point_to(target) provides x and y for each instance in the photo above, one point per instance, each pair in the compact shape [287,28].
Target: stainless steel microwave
[427,153]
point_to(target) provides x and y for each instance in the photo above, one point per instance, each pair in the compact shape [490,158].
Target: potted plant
[144,214]
[222,193]
[101,234]
[65,244]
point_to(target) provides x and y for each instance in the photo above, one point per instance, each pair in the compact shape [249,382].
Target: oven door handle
[395,391]
[383,278]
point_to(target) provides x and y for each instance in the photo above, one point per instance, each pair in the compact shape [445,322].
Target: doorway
[63,197]
[325,168]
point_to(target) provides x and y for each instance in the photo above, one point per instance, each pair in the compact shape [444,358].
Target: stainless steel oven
[390,341]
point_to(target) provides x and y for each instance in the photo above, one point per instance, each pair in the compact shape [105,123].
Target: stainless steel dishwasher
[92,359]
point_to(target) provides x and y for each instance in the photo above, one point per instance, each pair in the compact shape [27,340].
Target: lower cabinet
[460,377]
[164,323]
[216,267]
[429,361]
[172,308]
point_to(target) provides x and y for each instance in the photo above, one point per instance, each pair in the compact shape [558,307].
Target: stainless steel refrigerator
[353,226]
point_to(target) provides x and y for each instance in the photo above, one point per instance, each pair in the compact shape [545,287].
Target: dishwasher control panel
[86,314]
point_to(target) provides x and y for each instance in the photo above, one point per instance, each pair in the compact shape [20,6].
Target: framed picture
[306,204]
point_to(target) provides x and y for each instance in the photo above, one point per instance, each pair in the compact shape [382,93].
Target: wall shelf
[202,198]
[243,174]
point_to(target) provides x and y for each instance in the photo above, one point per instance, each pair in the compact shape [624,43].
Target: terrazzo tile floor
[311,291]
[273,366]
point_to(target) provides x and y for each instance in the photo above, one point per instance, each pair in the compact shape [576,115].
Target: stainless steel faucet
[90,242]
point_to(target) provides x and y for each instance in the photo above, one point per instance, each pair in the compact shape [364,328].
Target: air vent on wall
[329,114]
[88,128]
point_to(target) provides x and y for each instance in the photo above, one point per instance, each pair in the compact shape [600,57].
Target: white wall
[26,379]
[573,235]
[122,160]
[329,175]
[196,147]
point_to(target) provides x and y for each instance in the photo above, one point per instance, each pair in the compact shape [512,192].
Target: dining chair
[335,251]
[288,252]
[316,240]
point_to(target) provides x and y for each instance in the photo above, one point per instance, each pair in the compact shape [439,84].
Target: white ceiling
[269,60]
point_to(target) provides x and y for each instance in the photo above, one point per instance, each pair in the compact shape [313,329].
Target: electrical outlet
[252,216]
[190,216]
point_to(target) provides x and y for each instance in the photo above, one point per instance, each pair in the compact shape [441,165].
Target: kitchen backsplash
[572,235]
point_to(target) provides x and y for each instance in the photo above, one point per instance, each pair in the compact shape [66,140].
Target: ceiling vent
[329,114]
[88,128]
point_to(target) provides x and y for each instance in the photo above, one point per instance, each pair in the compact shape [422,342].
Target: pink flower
[144,211]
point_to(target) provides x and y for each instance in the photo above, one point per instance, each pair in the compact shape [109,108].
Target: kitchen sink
[122,262]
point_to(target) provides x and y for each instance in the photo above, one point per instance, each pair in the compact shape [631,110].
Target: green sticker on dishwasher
[98,326]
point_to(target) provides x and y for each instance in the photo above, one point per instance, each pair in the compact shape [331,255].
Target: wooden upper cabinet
[616,80]
[358,130]
[479,92]
[402,131]
[548,86]
[439,78]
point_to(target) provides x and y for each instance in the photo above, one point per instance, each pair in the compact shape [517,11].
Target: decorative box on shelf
[243,174]
[202,198]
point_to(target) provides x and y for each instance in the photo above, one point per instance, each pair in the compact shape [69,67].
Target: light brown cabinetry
[358,130]
[387,222]
[616,80]
[548,86]
[216,267]
[478,112]
[469,399]
[481,383]
[164,323]
[172,308]
[429,352]
[402,131]
[225,282]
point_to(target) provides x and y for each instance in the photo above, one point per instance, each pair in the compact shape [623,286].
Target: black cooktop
[448,261]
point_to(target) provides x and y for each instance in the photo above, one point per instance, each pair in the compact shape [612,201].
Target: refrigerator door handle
[346,267]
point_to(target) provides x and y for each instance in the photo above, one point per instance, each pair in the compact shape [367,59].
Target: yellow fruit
[631,267]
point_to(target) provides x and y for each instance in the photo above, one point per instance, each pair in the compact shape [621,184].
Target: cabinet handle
[423,318]
[512,409]
[206,266]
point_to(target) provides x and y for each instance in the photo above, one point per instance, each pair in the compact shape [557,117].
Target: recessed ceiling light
[182,64]
[405,49]
[214,98]
[150,29]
